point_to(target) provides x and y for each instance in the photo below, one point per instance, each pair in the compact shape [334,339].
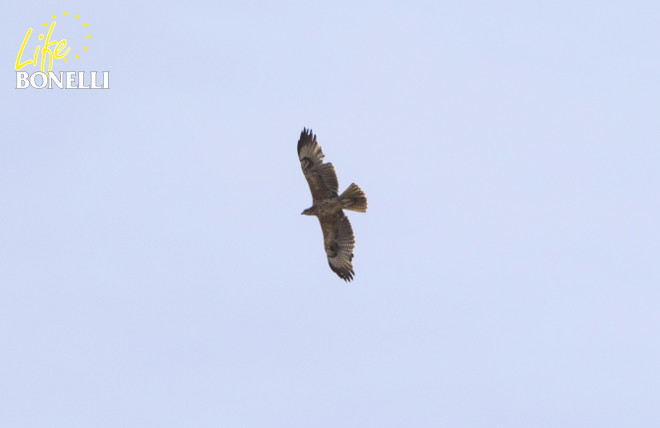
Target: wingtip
[347,274]
[307,133]
[306,137]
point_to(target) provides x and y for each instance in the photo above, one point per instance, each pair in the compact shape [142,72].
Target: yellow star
[66,13]
[54,16]
[88,36]
[77,16]
[85,48]
[77,56]
[66,59]
[45,25]
[85,24]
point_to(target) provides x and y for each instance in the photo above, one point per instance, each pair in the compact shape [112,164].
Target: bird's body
[328,206]
[325,207]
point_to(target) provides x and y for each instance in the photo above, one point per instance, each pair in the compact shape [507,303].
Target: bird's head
[308,211]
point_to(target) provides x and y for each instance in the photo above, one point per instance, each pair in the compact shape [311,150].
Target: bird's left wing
[320,176]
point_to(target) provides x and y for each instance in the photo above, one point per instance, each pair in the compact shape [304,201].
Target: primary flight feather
[328,206]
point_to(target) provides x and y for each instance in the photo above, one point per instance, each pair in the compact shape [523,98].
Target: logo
[40,57]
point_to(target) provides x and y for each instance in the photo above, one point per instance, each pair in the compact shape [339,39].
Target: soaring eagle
[328,206]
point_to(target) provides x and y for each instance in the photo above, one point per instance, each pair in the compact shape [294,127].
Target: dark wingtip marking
[306,137]
[345,275]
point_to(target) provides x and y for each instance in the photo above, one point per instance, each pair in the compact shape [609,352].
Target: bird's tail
[354,199]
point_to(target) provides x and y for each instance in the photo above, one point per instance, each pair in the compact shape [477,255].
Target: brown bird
[328,206]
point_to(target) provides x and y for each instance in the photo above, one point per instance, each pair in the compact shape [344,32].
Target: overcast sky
[155,270]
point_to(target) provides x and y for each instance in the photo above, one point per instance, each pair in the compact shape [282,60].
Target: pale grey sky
[155,269]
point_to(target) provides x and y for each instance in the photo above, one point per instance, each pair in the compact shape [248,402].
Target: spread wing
[339,242]
[320,176]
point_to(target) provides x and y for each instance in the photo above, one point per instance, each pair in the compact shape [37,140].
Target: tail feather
[354,199]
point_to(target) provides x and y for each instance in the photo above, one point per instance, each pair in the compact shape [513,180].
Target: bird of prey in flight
[328,206]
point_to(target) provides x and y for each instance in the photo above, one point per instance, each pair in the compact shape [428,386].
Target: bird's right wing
[339,243]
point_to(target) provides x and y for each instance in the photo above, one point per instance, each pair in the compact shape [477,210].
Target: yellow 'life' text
[46,51]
